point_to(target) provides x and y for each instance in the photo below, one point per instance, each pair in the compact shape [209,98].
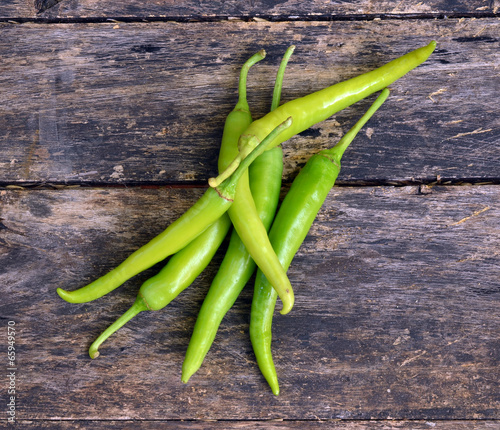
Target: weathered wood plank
[268,425]
[117,103]
[193,9]
[44,5]
[17,9]
[396,312]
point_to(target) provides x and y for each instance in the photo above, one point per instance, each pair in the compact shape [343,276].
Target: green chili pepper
[307,110]
[252,232]
[180,272]
[237,266]
[290,227]
[238,119]
[187,264]
[236,122]
[212,205]
[316,107]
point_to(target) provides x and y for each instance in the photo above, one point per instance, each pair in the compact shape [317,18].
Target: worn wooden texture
[396,312]
[43,5]
[270,8]
[16,9]
[136,103]
[267,425]
[396,324]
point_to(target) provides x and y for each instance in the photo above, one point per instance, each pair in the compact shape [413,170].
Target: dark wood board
[17,9]
[145,103]
[267,425]
[284,9]
[396,314]
[110,121]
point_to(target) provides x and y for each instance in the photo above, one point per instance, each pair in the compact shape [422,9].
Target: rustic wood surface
[138,108]
[281,9]
[395,317]
[111,119]
[268,425]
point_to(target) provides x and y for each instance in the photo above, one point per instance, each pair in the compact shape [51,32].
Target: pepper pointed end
[66,295]
[425,52]
[288,302]
[185,377]
[272,380]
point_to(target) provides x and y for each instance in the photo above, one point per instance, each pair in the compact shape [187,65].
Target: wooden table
[111,116]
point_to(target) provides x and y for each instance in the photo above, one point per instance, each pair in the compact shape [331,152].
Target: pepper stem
[279,77]
[246,143]
[247,155]
[335,153]
[242,103]
[138,306]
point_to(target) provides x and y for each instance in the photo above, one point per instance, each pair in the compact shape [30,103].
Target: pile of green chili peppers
[245,196]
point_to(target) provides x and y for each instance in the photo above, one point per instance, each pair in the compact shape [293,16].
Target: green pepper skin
[294,220]
[212,205]
[239,118]
[290,227]
[182,231]
[237,266]
[252,232]
[246,216]
[176,236]
[219,200]
[186,265]
[180,272]
[316,107]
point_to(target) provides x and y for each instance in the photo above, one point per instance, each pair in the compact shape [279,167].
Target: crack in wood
[476,213]
[43,5]
[2,225]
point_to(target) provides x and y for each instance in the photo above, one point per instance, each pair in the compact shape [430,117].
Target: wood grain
[17,9]
[396,312]
[396,323]
[268,8]
[145,103]
[266,424]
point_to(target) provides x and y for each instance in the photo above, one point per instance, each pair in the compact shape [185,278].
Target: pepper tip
[186,373]
[288,301]
[273,384]
[65,295]
[286,308]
